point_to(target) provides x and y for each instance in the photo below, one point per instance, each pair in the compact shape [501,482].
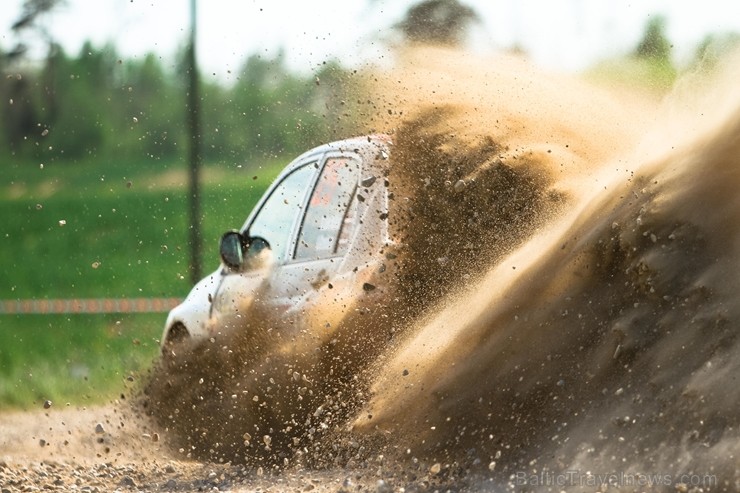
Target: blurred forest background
[95,105]
[94,196]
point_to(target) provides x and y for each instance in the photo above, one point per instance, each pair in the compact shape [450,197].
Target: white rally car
[322,225]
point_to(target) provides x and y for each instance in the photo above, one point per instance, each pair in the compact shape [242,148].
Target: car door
[323,235]
[276,221]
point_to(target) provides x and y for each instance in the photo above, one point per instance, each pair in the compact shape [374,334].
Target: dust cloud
[562,292]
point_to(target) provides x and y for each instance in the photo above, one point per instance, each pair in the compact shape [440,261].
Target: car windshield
[278,214]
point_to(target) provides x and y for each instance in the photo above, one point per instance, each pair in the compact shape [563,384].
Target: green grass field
[101,230]
[77,359]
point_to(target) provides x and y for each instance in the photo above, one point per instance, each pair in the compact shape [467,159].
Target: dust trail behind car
[607,342]
[565,277]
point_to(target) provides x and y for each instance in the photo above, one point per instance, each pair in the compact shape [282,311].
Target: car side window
[277,216]
[331,214]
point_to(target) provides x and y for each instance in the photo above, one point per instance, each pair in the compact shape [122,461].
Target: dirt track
[108,448]
[105,449]
[88,449]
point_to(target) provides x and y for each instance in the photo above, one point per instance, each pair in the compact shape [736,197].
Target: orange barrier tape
[105,305]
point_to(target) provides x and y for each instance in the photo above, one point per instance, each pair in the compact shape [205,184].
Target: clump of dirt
[459,204]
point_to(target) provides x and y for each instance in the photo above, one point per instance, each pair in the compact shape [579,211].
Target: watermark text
[574,477]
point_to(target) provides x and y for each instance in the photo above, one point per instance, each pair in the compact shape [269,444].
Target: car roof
[361,144]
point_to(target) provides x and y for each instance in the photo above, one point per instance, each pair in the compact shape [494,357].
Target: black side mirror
[232,248]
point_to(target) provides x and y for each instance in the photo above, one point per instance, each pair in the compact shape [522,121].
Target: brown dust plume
[562,289]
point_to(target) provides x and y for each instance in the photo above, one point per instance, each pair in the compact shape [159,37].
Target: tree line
[95,104]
